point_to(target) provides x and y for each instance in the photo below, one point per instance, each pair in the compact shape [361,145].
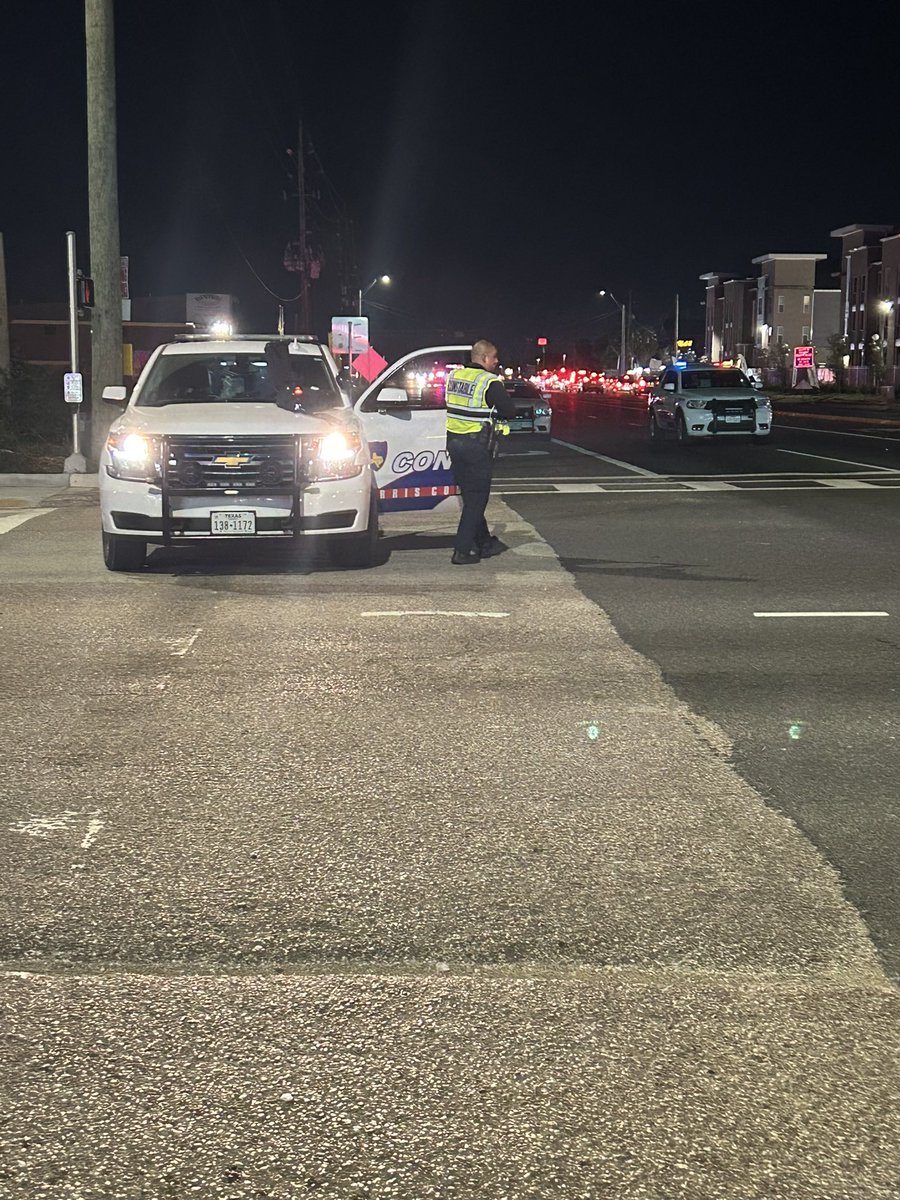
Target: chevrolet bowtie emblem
[231,460]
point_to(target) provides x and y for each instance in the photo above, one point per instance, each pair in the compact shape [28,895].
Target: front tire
[682,437]
[357,551]
[656,434]
[123,553]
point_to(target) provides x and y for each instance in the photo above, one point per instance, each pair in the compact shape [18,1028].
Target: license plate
[238,520]
[732,420]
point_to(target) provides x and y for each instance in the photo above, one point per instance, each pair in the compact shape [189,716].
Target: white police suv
[252,437]
[694,401]
[242,437]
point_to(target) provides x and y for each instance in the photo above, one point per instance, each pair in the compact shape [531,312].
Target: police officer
[476,399]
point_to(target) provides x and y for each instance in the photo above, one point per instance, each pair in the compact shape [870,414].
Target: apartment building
[785,299]
[860,271]
[781,305]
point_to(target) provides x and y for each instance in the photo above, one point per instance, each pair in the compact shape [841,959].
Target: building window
[781,304]
[779,333]
[804,335]
[806,300]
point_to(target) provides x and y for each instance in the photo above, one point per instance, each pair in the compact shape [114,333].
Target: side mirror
[116,395]
[392,397]
[668,387]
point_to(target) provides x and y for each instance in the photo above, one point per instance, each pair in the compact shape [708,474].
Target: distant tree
[875,358]
[644,344]
[838,347]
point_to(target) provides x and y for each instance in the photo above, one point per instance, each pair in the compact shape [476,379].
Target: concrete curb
[889,422]
[61,480]
[24,480]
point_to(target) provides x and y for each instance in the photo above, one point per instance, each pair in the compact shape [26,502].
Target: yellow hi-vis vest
[465,391]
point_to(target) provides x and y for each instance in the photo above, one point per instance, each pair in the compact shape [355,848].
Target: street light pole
[621,367]
[385,279]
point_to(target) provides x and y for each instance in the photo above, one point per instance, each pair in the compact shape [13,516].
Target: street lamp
[621,367]
[385,279]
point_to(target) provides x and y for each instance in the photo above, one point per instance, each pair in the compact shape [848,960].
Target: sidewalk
[863,410]
[30,491]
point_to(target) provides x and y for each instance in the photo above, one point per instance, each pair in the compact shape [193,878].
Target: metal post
[76,461]
[621,370]
[4,314]
[675,356]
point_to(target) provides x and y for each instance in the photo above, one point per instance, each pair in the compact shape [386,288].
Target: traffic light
[85,292]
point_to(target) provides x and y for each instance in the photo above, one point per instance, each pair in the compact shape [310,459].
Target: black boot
[462,558]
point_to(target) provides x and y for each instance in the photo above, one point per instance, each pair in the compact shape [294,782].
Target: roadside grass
[35,421]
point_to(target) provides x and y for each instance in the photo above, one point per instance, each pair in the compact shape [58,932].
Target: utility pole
[4,318]
[301,228]
[103,202]
[622,341]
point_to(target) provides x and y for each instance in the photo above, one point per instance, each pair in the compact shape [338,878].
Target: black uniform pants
[473,469]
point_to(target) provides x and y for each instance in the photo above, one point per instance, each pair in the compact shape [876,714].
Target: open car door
[403,414]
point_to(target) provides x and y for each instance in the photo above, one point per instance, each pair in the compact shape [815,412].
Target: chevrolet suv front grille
[197,465]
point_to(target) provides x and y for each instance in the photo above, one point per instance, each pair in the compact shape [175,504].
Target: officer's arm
[499,398]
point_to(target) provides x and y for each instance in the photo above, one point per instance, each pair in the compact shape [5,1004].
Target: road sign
[542,341]
[369,364]
[349,335]
[804,358]
[73,387]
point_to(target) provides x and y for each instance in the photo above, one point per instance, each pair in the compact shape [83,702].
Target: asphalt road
[421,882]
[809,523]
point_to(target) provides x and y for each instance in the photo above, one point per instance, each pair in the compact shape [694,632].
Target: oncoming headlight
[133,456]
[338,455]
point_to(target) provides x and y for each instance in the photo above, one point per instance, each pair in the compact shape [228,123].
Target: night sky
[501,162]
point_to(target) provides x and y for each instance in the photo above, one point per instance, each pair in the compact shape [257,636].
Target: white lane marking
[14,519]
[90,837]
[821,614]
[577,487]
[615,462]
[709,485]
[878,437]
[45,827]
[730,475]
[846,483]
[184,644]
[431,612]
[846,461]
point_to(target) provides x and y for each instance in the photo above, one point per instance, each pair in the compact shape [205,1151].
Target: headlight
[695,403]
[133,456]
[763,402]
[542,412]
[337,455]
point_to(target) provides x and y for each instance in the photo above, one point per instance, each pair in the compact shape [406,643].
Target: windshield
[229,378]
[522,391]
[714,379]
